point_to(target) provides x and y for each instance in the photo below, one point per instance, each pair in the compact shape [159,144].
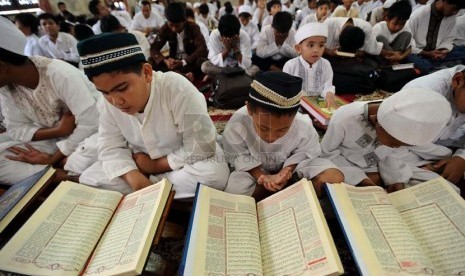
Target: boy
[434,28]
[308,10]
[260,13]
[322,12]
[315,71]
[268,142]
[99,9]
[346,10]
[147,21]
[186,57]
[49,109]
[56,44]
[29,25]
[394,34]
[451,84]
[245,14]
[206,18]
[229,47]
[152,124]
[273,7]
[369,141]
[276,44]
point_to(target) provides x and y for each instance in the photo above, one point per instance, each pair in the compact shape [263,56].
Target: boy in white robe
[268,142]
[316,72]
[229,46]
[347,9]
[273,7]
[260,13]
[55,44]
[390,141]
[451,84]
[49,109]
[394,33]
[306,11]
[152,124]
[322,12]
[147,21]
[245,16]
[276,44]
[433,27]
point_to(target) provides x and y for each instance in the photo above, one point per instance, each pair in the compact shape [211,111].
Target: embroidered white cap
[12,39]
[246,9]
[309,30]
[414,116]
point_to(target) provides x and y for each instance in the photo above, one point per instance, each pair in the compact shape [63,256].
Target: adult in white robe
[147,24]
[63,48]
[245,150]
[174,124]
[61,88]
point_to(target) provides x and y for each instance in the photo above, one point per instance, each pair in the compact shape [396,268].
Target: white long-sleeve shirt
[419,23]
[65,47]
[254,34]
[32,47]
[382,29]
[335,24]
[216,47]
[460,36]
[140,23]
[267,47]
[61,88]
[317,80]
[174,123]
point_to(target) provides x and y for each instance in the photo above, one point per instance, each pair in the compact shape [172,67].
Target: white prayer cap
[309,30]
[245,8]
[388,3]
[196,5]
[414,116]
[12,39]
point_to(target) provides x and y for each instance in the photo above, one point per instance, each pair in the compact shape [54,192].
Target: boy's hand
[453,168]
[394,57]
[144,163]
[395,187]
[277,181]
[30,155]
[279,38]
[331,100]
[67,124]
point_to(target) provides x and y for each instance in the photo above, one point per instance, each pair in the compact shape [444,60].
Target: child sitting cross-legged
[268,142]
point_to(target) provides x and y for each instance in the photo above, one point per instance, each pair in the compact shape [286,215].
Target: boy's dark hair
[282,22]
[229,25]
[65,27]
[254,105]
[351,39]
[28,20]
[47,16]
[228,8]
[270,4]
[175,12]
[109,24]
[93,7]
[460,4]
[400,9]
[322,3]
[12,58]
[146,3]
[82,31]
[60,3]
[203,9]
[190,13]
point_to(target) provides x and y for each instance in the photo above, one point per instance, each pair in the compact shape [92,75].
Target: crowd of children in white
[112,103]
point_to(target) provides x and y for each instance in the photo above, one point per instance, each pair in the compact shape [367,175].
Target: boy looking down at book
[390,141]
[268,142]
[316,72]
[394,34]
[152,125]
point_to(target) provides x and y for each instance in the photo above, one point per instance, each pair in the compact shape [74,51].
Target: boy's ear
[147,71]
[298,48]
[249,110]
[458,79]
[3,67]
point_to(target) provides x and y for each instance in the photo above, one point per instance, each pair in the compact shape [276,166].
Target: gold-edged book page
[126,242]
[353,228]
[295,238]
[224,236]
[60,236]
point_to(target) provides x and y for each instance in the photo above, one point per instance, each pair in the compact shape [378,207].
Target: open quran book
[84,230]
[416,231]
[316,106]
[284,234]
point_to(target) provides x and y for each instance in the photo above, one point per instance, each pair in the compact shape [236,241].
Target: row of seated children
[155,125]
